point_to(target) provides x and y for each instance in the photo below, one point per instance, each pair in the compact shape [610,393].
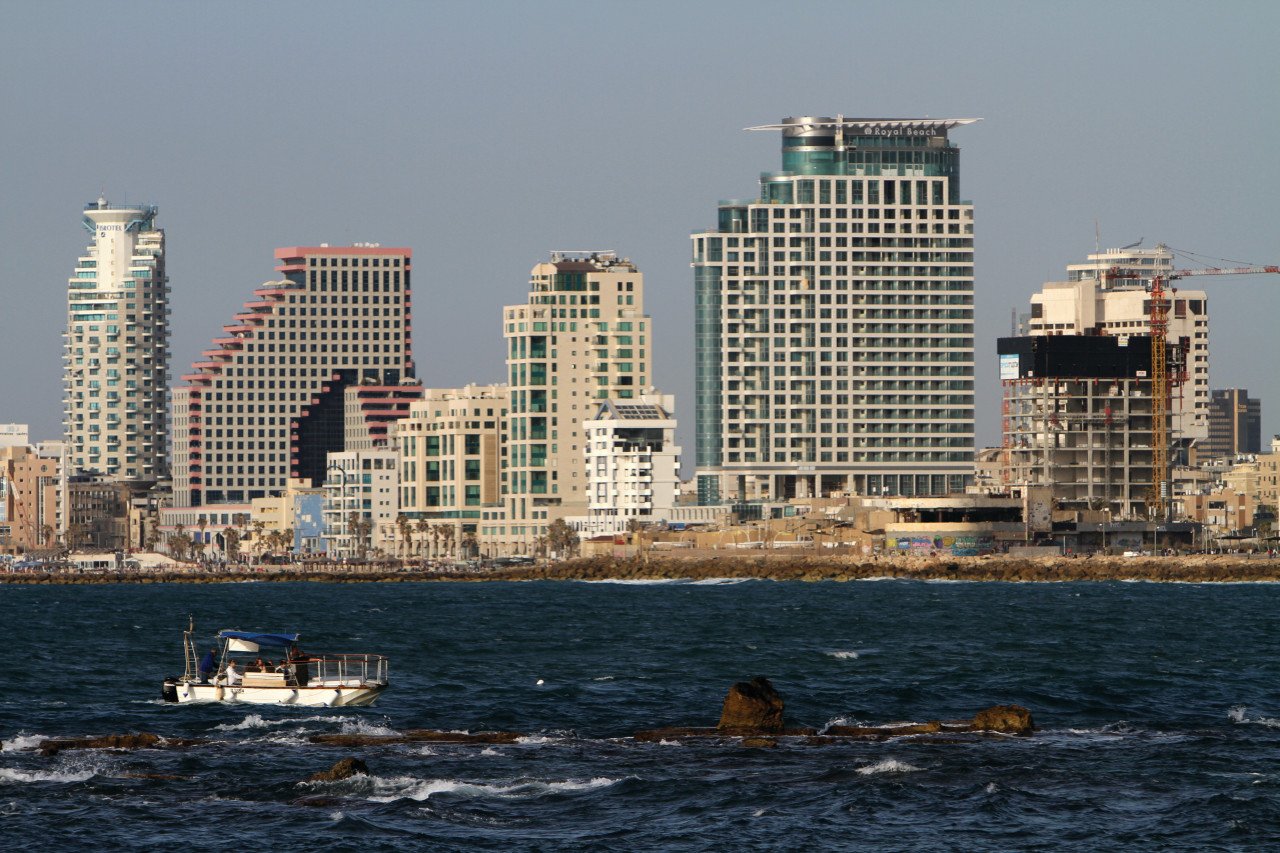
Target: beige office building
[582,338]
[450,448]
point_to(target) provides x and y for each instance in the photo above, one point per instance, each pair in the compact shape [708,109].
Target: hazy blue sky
[484,135]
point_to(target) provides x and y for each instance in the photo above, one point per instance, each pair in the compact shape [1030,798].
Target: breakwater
[781,567]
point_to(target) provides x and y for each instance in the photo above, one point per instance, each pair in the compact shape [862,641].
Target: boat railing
[348,669]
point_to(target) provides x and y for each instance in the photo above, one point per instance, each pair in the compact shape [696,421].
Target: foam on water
[719,581]
[849,654]
[360,727]
[257,721]
[19,742]
[408,787]
[888,765]
[637,581]
[14,776]
[1238,715]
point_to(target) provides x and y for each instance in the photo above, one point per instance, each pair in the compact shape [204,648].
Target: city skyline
[426,120]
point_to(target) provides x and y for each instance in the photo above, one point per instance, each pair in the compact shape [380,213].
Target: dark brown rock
[344,769]
[752,706]
[141,740]
[1005,719]
[759,742]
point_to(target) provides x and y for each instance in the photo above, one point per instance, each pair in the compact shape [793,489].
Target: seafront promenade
[1221,568]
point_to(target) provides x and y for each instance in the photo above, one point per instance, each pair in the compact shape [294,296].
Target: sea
[1157,708]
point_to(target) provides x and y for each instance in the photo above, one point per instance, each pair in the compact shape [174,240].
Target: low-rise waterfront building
[632,464]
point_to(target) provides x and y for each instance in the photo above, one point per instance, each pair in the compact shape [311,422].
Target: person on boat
[233,675]
[260,665]
[207,665]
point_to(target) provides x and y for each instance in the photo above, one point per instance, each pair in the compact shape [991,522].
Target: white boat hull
[336,695]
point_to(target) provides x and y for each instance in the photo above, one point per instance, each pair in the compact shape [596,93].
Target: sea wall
[782,567]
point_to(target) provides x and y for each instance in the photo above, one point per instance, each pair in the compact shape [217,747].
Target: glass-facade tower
[834,319]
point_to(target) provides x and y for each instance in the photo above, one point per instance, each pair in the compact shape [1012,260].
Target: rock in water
[1006,719]
[344,769]
[752,705]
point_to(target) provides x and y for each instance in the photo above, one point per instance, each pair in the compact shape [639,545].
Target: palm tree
[424,528]
[406,532]
[562,538]
[258,527]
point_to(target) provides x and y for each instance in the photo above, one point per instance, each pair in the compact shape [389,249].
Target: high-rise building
[116,353]
[1235,424]
[1108,294]
[266,402]
[582,337]
[834,319]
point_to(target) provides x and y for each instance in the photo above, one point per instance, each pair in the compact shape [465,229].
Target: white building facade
[834,319]
[361,490]
[116,353]
[633,463]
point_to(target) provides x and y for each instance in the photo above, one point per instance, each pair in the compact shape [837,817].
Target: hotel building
[266,403]
[834,319]
[116,352]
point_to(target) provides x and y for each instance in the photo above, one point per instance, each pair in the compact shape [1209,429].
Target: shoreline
[1186,569]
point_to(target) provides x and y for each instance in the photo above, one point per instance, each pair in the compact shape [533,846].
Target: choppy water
[1158,707]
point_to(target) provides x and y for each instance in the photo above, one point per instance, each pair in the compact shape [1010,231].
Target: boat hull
[319,695]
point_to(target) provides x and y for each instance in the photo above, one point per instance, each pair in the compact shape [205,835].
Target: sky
[485,135]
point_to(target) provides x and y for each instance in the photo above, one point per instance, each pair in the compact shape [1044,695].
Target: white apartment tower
[1109,294]
[834,319]
[633,463]
[116,353]
[583,337]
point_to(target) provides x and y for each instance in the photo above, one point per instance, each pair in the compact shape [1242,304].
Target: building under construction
[1077,418]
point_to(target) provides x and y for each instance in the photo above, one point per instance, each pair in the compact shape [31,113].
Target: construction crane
[1160,383]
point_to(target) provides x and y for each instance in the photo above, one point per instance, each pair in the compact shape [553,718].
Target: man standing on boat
[207,664]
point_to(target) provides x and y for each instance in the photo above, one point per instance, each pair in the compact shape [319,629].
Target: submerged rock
[417,736]
[1006,719]
[140,740]
[752,706]
[344,769]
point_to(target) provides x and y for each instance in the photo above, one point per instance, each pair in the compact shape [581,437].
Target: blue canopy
[279,640]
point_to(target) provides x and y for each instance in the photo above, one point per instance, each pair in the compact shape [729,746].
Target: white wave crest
[10,775]
[636,581]
[361,727]
[20,742]
[889,765]
[407,787]
[256,721]
[1238,714]
[848,654]
[719,581]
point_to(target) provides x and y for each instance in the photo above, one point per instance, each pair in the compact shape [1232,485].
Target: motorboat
[271,669]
